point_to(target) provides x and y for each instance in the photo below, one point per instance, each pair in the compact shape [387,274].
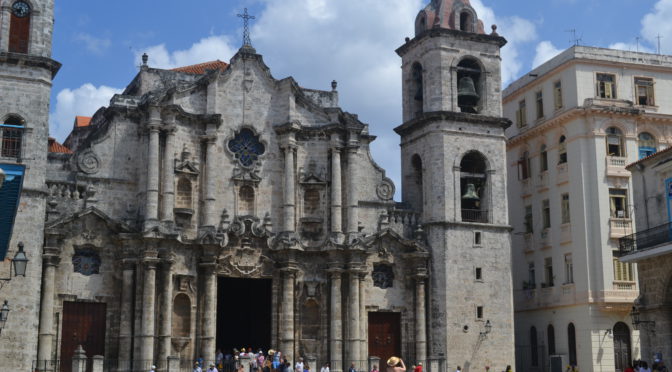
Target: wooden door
[83,324]
[384,335]
[621,346]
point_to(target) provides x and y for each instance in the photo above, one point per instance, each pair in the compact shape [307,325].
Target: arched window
[246,201]
[416,163]
[181,316]
[534,347]
[647,144]
[571,341]
[622,346]
[19,27]
[466,22]
[543,158]
[184,194]
[12,137]
[469,86]
[550,334]
[311,201]
[473,184]
[615,146]
[417,90]
[562,150]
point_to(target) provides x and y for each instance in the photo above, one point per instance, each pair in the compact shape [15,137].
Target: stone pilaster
[363,322]
[148,306]
[50,261]
[209,311]
[166,314]
[210,217]
[168,199]
[354,352]
[126,315]
[336,192]
[352,181]
[420,319]
[287,314]
[336,322]
[152,206]
[289,222]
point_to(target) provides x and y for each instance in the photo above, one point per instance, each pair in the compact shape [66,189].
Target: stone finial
[145,58]
[334,84]
[494,30]
[407,39]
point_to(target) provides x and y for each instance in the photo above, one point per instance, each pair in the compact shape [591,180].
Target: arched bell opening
[466,22]
[469,86]
[417,90]
[473,185]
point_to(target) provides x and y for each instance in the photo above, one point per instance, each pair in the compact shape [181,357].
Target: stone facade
[215,171]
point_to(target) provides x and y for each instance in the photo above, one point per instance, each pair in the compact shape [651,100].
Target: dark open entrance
[244,313]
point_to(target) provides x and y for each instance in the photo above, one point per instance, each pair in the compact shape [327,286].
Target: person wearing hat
[395,364]
[418,368]
[212,368]
[153,368]
[197,367]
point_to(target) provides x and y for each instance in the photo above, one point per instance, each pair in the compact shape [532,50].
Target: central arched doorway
[622,346]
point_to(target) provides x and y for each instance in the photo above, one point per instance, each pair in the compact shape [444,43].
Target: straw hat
[271,352]
[393,361]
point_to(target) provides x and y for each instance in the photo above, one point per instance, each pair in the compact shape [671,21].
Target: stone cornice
[431,117]
[20,59]
[438,32]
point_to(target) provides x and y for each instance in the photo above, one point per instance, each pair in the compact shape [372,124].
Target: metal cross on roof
[246,27]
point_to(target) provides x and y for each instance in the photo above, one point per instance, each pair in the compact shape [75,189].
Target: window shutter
[608,90]
[9,202]
[519,120]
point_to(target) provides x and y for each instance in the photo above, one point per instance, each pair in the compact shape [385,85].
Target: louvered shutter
[9,202]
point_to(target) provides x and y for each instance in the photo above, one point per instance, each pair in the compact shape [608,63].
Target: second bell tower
[453,152]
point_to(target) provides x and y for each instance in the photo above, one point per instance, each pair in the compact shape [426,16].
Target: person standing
[395,364]
[352,367]
[325,368]
[459,369]
[197,367]
[212,368]
[375,368]
[299,365]
[418,368]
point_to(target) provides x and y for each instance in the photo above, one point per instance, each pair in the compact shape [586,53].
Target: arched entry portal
[622,346]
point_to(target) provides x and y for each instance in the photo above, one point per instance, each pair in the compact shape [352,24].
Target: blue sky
[317,41]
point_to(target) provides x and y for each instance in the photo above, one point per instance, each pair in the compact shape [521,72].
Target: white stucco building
[579,119]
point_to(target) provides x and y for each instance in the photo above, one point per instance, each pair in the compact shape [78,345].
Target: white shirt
[299,367]
[324,369]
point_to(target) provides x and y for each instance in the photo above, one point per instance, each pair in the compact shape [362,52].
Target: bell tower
[453,153]
[26,74]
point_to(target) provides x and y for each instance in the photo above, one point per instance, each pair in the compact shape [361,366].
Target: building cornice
[453,34]
[461,117]
[29,60]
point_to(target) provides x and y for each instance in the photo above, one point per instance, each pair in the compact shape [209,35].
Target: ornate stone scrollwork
[385,189]
[88,162]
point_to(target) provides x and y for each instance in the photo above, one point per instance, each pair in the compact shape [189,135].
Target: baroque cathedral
[215,206]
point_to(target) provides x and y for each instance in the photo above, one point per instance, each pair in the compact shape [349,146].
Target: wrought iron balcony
[474,215]
[646,239]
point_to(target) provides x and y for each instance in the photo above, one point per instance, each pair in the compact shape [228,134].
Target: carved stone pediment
[246,176]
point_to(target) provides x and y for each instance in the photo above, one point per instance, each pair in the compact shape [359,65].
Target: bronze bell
[471,192]
[467,98]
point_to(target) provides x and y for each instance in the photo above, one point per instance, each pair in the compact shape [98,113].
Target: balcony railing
[619,227]
[474,215]
[616,166]
[646,239]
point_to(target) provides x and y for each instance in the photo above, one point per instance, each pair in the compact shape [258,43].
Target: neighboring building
[580,118]
[651,249]
[26,73]
[214,206]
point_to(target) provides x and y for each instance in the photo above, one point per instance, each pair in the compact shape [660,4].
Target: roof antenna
[637,40]
[145,58]
[575,39]
[659,37]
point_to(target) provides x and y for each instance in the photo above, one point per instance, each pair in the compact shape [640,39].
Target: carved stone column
[363,322]
[209,312]
[289,223]
[152,207]
[420,319]
[287,314]
[50,262]
[210,217]
[148,305]
[168,200]
[126,315]
[352,181]
[166,314]
[353,351]
[336,322]
[336,194]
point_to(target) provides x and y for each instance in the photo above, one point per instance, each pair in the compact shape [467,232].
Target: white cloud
[545,51]
[658,23]
[207,49]
[517,31]
[93,44]
[82,101]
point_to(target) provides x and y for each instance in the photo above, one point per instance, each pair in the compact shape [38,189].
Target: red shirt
[418,369]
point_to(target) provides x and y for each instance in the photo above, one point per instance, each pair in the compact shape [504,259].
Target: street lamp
[636,320]
[19,263]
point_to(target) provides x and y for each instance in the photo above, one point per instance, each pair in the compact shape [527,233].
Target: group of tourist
[259,361]
[642,366]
